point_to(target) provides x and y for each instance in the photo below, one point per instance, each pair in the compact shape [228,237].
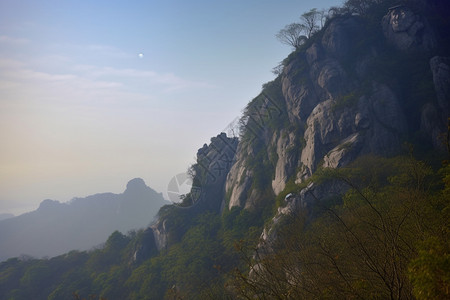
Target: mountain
[357,87]
[335,183]
[55,228]
[5,216]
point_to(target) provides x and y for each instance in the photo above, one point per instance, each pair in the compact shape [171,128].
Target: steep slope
[55,228]
[348,92]
[359,86]
[210,171]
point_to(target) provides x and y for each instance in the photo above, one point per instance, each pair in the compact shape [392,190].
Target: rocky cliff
[356,87]
[350,110]
[342,99]
[207,193]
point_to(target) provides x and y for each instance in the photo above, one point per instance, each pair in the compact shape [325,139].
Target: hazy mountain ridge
[82,223]
[5,216]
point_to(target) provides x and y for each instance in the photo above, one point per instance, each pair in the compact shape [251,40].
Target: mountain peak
[48,203]
[136,184]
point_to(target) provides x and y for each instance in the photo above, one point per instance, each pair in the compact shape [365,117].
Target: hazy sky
[82,112]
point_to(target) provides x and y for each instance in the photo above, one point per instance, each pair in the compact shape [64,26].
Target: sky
[96,93]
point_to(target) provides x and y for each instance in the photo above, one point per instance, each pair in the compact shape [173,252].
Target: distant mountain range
[82,223]
[5,216]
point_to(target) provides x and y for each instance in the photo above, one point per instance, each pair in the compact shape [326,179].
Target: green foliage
[349,100]
[116,242]
[34,277]
[267,110]
[376,244]
[240,224]
[178,221]
[194,267]
[291,187]
[430,270]
[389,232]
[262,170]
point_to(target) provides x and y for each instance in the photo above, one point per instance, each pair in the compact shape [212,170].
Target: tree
[295,34]
[116,241]
[358,6]
[292,35]
[323,17]
[310,21]
[363,247]
[278,69]
[429,271]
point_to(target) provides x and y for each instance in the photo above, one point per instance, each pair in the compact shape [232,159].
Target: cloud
[89,66]
[109,51]
[92,50]
[64,77]
[164,81]
[167,81]
[10,64]
[5,39]
[86,85]
[21,85]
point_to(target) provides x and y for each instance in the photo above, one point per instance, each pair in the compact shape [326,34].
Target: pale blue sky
[82,113]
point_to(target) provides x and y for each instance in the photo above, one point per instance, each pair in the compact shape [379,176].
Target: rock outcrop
[440,66]
[332,103]
[435,115]
[207,194]
[407,30]
[145,246]
[337,112]
[295,205]
[344,111]
[287,155]
[252,168]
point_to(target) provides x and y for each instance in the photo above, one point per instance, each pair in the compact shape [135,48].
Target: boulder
[407,30]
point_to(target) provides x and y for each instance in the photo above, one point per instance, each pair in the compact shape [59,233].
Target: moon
[141,55]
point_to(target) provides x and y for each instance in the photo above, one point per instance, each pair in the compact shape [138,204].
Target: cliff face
[355,88]
[343,100]
[407,30]
[207,194]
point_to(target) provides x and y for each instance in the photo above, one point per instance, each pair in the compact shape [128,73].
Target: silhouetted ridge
[49,204]
[136,185]
[80,224]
